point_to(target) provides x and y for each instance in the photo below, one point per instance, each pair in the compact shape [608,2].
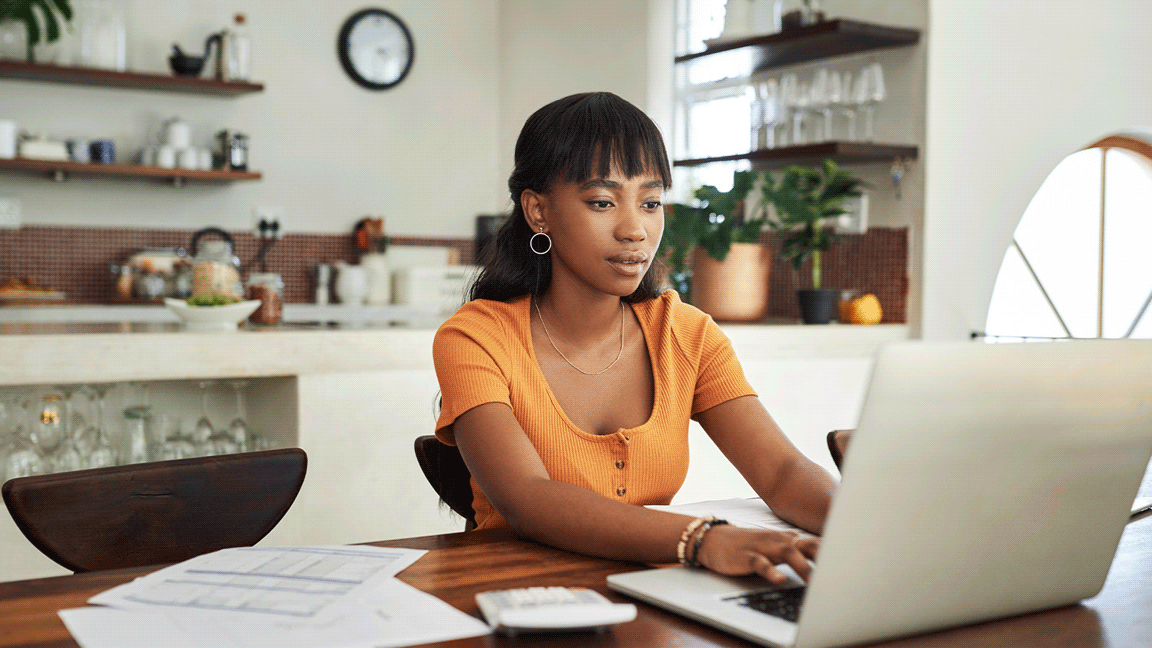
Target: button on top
[620,491]
[620,464]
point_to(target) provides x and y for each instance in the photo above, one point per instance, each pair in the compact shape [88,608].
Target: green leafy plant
[806,199]
[718,221]
[26,11]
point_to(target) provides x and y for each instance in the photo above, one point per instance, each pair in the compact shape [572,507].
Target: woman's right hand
[734,551]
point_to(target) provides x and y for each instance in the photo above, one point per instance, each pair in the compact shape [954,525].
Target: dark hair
[574,139]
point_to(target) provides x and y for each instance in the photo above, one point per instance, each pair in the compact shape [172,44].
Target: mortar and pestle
[183,64]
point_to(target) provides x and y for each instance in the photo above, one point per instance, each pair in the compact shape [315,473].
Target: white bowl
[212,318]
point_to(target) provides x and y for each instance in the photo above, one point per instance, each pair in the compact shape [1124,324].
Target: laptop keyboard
[783,603]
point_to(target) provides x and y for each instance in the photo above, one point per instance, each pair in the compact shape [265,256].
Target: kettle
[215,269]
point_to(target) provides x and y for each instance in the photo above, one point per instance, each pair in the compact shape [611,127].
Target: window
[713,116]
[1078,263]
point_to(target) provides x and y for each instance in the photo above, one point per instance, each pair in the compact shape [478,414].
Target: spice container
[268,287]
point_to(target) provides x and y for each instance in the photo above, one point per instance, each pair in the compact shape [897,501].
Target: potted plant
[21,11]
[714,255]
[805,200]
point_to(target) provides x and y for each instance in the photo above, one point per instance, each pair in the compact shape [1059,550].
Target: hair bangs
[608,134]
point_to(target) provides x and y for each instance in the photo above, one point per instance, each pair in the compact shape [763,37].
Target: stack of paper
[289,597]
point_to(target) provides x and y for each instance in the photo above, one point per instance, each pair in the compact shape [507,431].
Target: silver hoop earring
[532,243]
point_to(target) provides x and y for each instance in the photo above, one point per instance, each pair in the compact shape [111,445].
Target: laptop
[983,481]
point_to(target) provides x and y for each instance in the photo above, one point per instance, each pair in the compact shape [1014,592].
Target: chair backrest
[159,512]
[838,446]
[445,470]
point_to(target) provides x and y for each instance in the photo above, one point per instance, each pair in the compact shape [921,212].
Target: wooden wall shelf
[840,152]
[838,37]
[60,170]
[86,76]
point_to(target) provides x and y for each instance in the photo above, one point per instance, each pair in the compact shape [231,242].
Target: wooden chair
[445,470]
[838,446]
[159,512]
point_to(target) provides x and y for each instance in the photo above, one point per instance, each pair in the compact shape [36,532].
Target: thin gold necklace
[586,373]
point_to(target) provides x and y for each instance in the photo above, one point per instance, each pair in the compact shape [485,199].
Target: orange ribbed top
[484,354]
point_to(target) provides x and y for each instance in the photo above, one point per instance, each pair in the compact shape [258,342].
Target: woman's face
[604,231]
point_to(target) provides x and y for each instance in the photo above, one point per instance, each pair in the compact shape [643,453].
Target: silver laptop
[983,481]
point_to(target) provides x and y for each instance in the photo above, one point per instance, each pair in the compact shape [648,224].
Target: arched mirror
[1080,262]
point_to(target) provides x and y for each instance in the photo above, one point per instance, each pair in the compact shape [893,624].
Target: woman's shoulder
[483,318]
[666,309]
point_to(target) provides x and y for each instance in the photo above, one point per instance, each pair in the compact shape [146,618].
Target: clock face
[376,49]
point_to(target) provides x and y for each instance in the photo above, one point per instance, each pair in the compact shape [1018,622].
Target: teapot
[215,269]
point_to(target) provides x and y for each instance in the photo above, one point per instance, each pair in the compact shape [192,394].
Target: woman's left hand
[734,551]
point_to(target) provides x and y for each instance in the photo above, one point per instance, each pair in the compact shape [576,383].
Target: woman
[569,379]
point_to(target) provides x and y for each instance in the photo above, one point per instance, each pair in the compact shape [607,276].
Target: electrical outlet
[10,213]
[272,219]
[855,221]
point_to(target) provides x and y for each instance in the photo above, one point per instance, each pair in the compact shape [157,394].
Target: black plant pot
[818,306]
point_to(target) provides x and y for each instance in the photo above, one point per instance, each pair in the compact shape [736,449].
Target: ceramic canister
[7,138]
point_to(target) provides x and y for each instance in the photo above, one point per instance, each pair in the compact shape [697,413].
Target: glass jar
[268,287]
[794,14]
[103,35]
[215,269]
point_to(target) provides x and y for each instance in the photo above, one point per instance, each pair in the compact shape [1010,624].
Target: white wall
[421,154]
[429,155]
[549,50]
[1014,87]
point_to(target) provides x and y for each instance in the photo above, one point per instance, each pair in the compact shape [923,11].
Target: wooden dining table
[457,566]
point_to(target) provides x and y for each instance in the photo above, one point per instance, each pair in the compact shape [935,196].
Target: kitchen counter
[343,314]
[62,352]
[355,398]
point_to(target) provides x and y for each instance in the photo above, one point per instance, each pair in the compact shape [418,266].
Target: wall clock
[375,48]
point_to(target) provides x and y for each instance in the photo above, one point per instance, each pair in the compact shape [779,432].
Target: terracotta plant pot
[735,290]
[818,306]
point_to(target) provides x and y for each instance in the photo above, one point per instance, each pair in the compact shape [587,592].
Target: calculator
[551,609]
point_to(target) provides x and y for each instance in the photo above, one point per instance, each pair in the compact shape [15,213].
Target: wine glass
[848,103]
[138,427]
[238,428]
[770,100]
[101,455]
[48,429]
[871,94]
[821,104]
[835,101]
[794,104]
[20,455]
[204,429]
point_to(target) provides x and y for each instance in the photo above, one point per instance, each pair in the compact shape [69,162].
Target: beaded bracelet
[693,558]
[688,531]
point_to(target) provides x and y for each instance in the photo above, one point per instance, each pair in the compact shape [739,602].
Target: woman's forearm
[576,519]
[802,494]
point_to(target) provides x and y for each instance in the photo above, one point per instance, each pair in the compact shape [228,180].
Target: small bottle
[239,50]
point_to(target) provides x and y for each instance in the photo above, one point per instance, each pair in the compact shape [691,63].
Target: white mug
[177,134]
[166,157]
[187,158]
[7,138]
[351,283]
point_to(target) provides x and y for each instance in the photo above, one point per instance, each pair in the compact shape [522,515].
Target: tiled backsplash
[77,260]
[875,262]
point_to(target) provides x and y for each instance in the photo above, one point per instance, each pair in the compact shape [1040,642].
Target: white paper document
[290,596]
[397,615]
[750,513]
